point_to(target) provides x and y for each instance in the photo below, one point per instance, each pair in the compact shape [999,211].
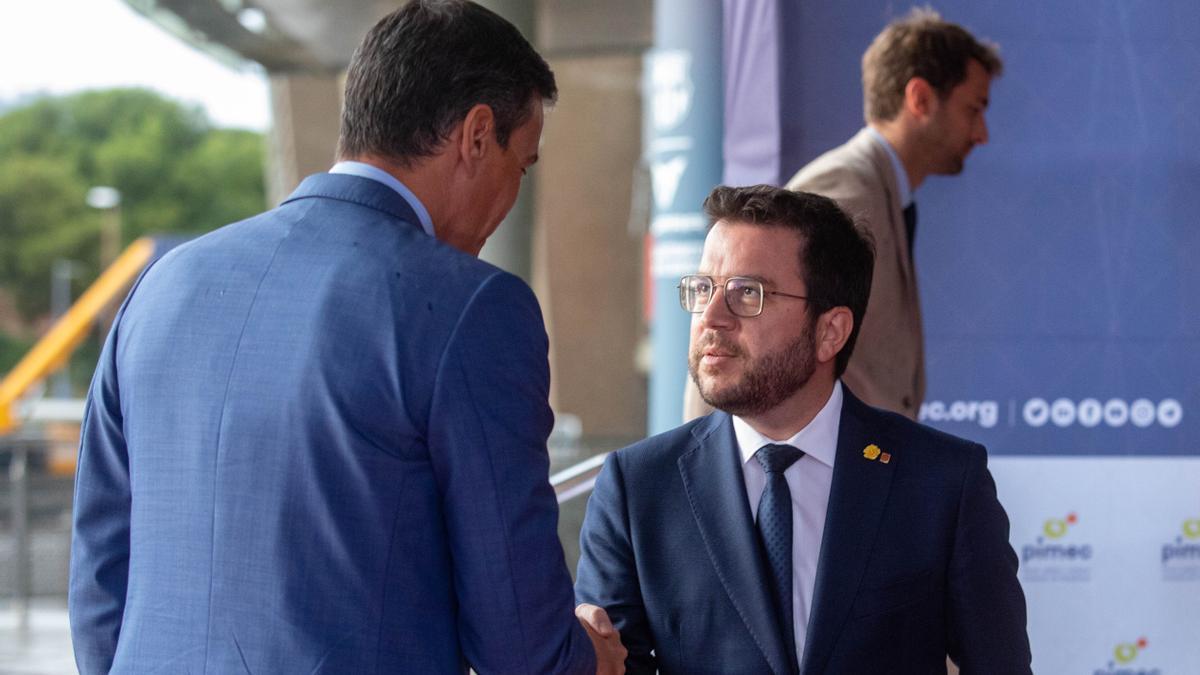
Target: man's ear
[832,331]
[920,98]
[478,134]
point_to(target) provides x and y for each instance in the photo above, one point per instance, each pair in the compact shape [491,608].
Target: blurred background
[1057,274]
[127,127]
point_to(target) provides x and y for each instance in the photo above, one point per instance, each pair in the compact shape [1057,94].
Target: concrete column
[306,109]
[587,260]
[511,247]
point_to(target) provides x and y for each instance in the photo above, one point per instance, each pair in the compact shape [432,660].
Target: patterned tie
[775,529]
[910,226]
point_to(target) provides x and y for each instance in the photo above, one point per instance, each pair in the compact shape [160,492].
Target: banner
[682,94]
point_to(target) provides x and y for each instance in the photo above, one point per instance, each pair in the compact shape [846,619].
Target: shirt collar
[364,170]
[906,195]
[818,439]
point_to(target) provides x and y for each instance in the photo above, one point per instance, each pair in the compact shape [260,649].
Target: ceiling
[282,35]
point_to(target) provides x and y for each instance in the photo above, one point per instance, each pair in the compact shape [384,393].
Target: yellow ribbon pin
[872,452]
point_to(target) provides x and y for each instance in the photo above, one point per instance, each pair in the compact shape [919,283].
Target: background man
[797,529]
[315,441]
[925,89]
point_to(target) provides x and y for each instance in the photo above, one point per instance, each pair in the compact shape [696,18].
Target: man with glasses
[796,529]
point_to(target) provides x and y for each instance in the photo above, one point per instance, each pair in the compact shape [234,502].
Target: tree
[176,174]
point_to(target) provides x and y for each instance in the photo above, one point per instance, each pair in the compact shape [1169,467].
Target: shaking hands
[610,653]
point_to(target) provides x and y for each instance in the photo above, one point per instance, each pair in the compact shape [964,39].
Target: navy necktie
[775,530]
[910,225]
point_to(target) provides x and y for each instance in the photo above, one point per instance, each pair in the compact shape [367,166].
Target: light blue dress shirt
[906,196]
[364,170]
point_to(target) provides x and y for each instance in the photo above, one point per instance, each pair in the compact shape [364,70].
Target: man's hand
[610,653]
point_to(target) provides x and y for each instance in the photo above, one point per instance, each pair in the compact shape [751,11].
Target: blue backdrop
[1058,273]
[1059,283]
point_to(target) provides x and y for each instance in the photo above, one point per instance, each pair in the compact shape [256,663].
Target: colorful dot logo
[1191,528]
[1057,527]
[1128,651]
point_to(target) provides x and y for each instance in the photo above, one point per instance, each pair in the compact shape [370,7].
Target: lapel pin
[872,452]
[885,457]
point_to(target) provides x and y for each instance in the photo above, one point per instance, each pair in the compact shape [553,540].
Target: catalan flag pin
[872,452]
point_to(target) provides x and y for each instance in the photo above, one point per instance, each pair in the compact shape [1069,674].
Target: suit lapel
[712,477]
[882,164]
[857,499]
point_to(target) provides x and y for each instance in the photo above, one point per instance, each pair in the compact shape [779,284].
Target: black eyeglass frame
[712,282]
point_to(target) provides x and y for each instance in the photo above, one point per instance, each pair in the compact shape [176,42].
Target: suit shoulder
[935,447]
[844,170]
[661,449]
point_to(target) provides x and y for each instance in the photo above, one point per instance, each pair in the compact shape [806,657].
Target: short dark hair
[837,258]
[922,45]
[424,66]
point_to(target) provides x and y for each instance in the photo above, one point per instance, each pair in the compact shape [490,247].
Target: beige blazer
[887,368]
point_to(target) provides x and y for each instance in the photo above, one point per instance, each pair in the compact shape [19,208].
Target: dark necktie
[775,529]
[910,225]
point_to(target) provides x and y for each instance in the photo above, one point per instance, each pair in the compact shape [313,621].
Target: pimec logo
[1126,652]
[1123,655]
[1055,528]
[1054,555]
[1181,556]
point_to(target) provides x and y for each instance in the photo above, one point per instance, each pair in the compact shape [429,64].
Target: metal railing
[18,451]
[30,498]
[577,480]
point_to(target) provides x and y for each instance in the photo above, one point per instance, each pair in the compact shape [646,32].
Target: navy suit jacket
[915,563]
[315,443]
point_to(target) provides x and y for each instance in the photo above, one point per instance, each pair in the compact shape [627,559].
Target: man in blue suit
[315,441]
[795,529]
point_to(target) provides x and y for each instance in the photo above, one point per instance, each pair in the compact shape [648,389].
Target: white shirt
[808,480]
[364,170]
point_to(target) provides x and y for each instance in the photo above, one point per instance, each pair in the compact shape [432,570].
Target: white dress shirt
[808,480]
[364,170]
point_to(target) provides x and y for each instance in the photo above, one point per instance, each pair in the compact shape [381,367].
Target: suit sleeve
[489,421]
[987,622]
[607,574]
[99,568]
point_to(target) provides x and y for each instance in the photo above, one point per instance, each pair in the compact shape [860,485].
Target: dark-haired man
[796,529]
[926,86]
[315,442]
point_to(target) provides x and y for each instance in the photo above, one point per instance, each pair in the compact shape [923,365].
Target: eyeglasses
[743,295]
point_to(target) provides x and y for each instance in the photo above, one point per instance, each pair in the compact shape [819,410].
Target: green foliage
[42,217]
[176,174]
[11,351]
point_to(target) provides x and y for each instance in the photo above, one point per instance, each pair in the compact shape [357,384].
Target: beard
[766,381]
[949,155]
[953,162]
[953,166]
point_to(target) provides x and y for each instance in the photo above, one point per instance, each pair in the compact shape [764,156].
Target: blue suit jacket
[915,562]
[315,443]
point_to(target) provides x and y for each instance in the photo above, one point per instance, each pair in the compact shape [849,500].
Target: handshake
[610,653]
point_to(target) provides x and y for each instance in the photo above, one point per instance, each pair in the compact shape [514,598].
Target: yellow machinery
[51,352]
